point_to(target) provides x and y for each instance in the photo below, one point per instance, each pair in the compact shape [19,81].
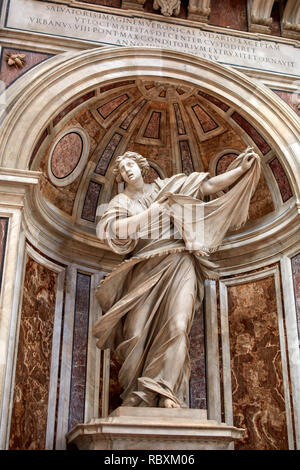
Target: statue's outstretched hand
[248,158]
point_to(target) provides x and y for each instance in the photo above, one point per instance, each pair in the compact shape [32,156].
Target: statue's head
[121,161]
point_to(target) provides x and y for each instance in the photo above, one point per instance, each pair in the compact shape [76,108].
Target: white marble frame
[9,307]
[93,354]
[293,350]
[212,352]
[273,271]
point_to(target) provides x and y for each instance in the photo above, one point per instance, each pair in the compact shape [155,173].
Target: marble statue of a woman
[149,300]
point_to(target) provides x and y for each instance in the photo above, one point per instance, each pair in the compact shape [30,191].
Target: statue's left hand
[248,158]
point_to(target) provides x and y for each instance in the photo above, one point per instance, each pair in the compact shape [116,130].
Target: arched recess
[37,97]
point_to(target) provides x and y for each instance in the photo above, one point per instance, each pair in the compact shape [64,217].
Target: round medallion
[68,156]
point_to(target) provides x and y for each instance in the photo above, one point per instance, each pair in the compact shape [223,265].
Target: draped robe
[149,300]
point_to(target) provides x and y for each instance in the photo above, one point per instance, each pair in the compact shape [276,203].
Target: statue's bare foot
[168,403]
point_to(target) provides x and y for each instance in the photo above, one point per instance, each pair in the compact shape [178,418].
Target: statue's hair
[139,159]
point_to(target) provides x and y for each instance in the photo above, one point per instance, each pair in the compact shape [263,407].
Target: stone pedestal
[154,429]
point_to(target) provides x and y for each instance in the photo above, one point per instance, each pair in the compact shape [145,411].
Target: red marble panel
[30,403]
[198,369]
[79,354]
[186,157]
[3,236]
[132,114]
[256,368]
[91,201]
[10,73]
[152,130]
[72,106]
[292,99]
[111,86]
[296,280]
[108,153]
[214,100]
[281,179]
[252,132]
[206,122]
[107,108]
[179,121]
[66,155]
[229,13]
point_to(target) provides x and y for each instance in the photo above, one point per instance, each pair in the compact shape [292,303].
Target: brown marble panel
[91,201]
[252,132]
[292,99]
[256,368]
[3,236]
[198,369]
[179,121]
[107,154]
[132,114]
[229,13]
[281,179]
[30,403]
[66,155]
[206,122]
[110,106]
[296,280]
[214,100]
[186,157]
[152,130]
[261,203]
[10,73]
[79,354]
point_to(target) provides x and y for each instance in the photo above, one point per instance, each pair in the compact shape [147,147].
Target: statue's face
[130,170]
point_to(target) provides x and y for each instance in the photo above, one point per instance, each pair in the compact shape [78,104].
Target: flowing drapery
[149,300]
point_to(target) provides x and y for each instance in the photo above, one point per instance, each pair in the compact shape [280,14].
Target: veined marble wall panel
[258,395]
[3,235]
[79,354]
[32,378]
[10,73]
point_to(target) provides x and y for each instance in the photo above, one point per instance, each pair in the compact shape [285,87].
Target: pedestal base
[154,429]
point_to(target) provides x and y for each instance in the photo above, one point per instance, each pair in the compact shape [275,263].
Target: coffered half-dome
[176,126]
[182,113]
